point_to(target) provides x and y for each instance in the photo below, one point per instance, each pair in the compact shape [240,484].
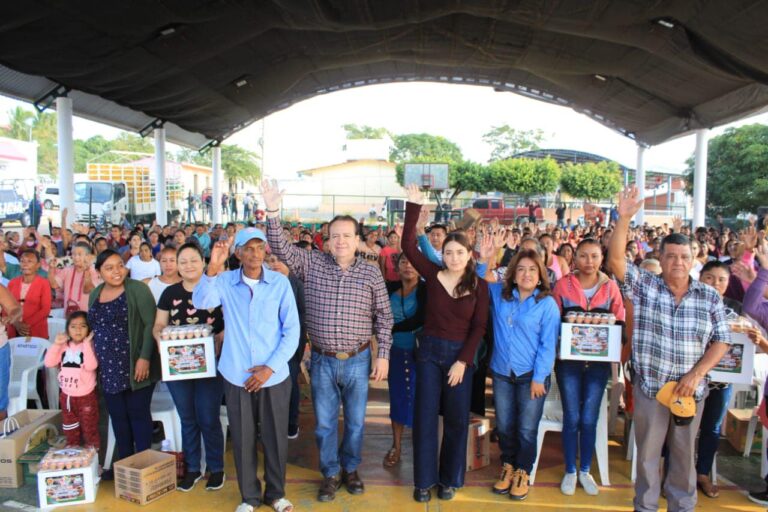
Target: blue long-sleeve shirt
[427,250]
[261,323]
[525,333]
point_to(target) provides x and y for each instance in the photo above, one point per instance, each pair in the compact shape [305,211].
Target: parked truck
[109,192]
[490,207]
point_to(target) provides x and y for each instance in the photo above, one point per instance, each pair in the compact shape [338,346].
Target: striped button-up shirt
[344,307]
[669,338]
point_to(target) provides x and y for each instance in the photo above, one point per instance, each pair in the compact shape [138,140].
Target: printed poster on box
[590,342]
[188,359]
[737,365]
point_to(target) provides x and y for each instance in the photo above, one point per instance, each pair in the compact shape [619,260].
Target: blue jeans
[198,402]
[434,357]
[5,376]
[581,384]
[517,418]
[715,407]
[338,383]
[131,419]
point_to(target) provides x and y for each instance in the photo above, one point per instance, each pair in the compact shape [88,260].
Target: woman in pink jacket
[582,383]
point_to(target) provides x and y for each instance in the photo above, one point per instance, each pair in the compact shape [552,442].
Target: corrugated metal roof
[650,70]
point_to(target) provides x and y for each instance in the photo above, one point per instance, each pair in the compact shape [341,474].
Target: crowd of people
[431,309]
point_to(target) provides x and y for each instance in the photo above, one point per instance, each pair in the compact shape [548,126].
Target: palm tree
[19,124]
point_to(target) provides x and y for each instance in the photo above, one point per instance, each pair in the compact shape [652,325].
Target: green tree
[239,164]
[44,132]
[364,132]
[506,141]
[591,181]
[423,147]
[19,124]
[736,170]
[524,176]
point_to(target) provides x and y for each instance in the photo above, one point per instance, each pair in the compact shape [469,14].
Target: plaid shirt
[669,339]
[344,308]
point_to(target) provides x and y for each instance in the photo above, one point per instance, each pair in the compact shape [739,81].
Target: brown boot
[504,482]
[328,488]
[709,489]
[519,489]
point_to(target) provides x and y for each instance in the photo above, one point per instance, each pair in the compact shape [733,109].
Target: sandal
[282,505]
[392,458]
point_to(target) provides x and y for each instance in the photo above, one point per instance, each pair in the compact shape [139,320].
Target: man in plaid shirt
[346,303]
[680,334]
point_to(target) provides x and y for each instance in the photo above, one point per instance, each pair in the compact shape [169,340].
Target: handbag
[73,305]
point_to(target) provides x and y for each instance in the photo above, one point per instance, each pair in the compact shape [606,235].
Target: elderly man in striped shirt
[680,334]
[346,303]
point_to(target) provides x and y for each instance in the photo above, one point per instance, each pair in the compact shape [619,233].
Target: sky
[309,134]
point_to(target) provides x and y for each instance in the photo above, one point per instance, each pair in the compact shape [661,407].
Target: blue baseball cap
[245,235]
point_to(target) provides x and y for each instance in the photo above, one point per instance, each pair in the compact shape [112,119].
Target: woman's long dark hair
[468,281]
[509,279]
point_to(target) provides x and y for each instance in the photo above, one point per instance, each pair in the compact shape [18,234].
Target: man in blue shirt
[204,239]
[261,335]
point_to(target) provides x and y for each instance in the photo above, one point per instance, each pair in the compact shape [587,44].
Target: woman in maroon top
[456,315]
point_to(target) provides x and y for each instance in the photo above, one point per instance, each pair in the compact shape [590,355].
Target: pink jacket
[569,294]
[77,363]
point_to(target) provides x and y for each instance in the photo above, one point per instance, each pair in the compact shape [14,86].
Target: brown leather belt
[342,356]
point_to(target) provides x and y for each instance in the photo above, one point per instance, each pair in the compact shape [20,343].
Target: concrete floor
[390,489]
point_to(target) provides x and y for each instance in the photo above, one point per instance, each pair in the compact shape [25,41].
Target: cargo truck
[109,192]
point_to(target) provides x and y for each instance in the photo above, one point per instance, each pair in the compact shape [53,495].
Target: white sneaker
[588,483]
[244,507]
[568,485]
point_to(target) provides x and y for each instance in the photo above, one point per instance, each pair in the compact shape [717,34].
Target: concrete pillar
[66,156]
[669,193]
[640,182]
[700,178]
[216,185]
[161,210]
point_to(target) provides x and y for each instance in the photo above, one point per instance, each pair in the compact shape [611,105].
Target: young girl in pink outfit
[73,353]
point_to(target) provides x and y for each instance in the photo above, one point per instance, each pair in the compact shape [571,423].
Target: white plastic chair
[27,356]
[552,421]
[164,411]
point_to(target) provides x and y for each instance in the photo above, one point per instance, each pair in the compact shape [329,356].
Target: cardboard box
[35,426]
[478,443]
[590,342]
[188,358]
[737,426]
[145,477]
[737,364]
[64,487]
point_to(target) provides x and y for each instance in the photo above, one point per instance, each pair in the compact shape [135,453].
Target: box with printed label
[75,486]
[590,342]
[19,434]
[145,477]
[188,358]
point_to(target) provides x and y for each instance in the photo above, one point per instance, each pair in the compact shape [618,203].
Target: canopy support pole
[66,156]
[161,211]
[640,183]
[700,178]
[216,185]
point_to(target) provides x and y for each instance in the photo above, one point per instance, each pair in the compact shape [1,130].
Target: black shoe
[446,493]
[215,481]
[353,482]
[328,488]
[293,432]
[189,481]
[107,475]
[759,497]
[422,495]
